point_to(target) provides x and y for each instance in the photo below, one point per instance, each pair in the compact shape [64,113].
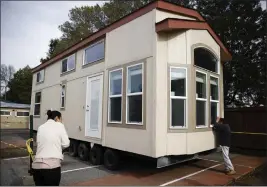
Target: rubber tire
[83,151]
[111,159]
[73,148]
[96,155]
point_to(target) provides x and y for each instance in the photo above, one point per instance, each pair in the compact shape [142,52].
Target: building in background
[14,115]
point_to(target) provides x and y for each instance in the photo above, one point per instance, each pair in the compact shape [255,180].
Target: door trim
[86,129]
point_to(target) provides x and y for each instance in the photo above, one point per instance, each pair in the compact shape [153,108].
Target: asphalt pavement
[208,170]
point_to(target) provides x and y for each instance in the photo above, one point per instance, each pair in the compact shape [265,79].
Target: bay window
[214,99]
[201,99]
[115,96]
[134,103]
[178,97]
[205,59]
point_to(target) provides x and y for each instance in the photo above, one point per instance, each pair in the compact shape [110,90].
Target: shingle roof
[14,105]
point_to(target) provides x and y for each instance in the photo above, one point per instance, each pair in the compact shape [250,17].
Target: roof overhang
[171,24]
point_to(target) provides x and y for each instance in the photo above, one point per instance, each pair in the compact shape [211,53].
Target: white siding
[200,141]
[132,41]
[177,48]
[161,15]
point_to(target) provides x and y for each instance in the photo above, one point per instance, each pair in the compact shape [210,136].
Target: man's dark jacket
[223,134]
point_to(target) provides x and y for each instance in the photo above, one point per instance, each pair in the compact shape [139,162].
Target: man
[223,134]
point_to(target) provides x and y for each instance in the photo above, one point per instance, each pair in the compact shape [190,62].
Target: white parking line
[15,158]
[89,167]
[190,175]
[219,161]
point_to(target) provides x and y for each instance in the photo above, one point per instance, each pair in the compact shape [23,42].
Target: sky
[28,26]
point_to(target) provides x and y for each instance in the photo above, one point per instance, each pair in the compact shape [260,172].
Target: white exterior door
[93,108]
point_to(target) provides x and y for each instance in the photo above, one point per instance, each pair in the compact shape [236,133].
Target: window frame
[135,94]
[39,72]
[115,96]
[22,116]
[67,64]
[37,104]
[215,101]
[90,46]
[214,54]
[201,99]
[185,98]
[6,111]
[61,86]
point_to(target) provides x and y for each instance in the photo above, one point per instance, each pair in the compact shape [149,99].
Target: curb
[250,173]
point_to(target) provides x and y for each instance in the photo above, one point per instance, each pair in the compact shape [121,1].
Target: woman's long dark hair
[49,115]
[53,114]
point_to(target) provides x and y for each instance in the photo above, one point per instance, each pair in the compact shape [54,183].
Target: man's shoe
[232,172]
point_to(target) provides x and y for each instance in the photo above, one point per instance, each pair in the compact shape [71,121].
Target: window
[214,98]
[205,59]
[134,105]
[68,64]
[115,96]
[5,113]
[40,76]
[94,53]
[37,104]
[23,114]
[201,99]
[63,96]
[178,97]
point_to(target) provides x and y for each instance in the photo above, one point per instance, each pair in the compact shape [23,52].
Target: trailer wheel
[73,148]
[96,155]
[83,151]
[111,159]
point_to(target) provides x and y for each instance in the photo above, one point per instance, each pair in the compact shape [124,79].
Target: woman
[51,138]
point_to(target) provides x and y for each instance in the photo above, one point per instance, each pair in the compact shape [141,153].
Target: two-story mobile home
[151,84]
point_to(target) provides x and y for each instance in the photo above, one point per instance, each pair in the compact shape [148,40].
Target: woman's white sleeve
[65,142]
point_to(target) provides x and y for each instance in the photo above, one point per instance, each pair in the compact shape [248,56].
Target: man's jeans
[227,162]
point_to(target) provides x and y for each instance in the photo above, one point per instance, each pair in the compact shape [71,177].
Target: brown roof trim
[173,8]
[174,24]
[158,4]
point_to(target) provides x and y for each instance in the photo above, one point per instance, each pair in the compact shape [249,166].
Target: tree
[6,75]
[86,20]
[241,26]
[52,49]
[20,86]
